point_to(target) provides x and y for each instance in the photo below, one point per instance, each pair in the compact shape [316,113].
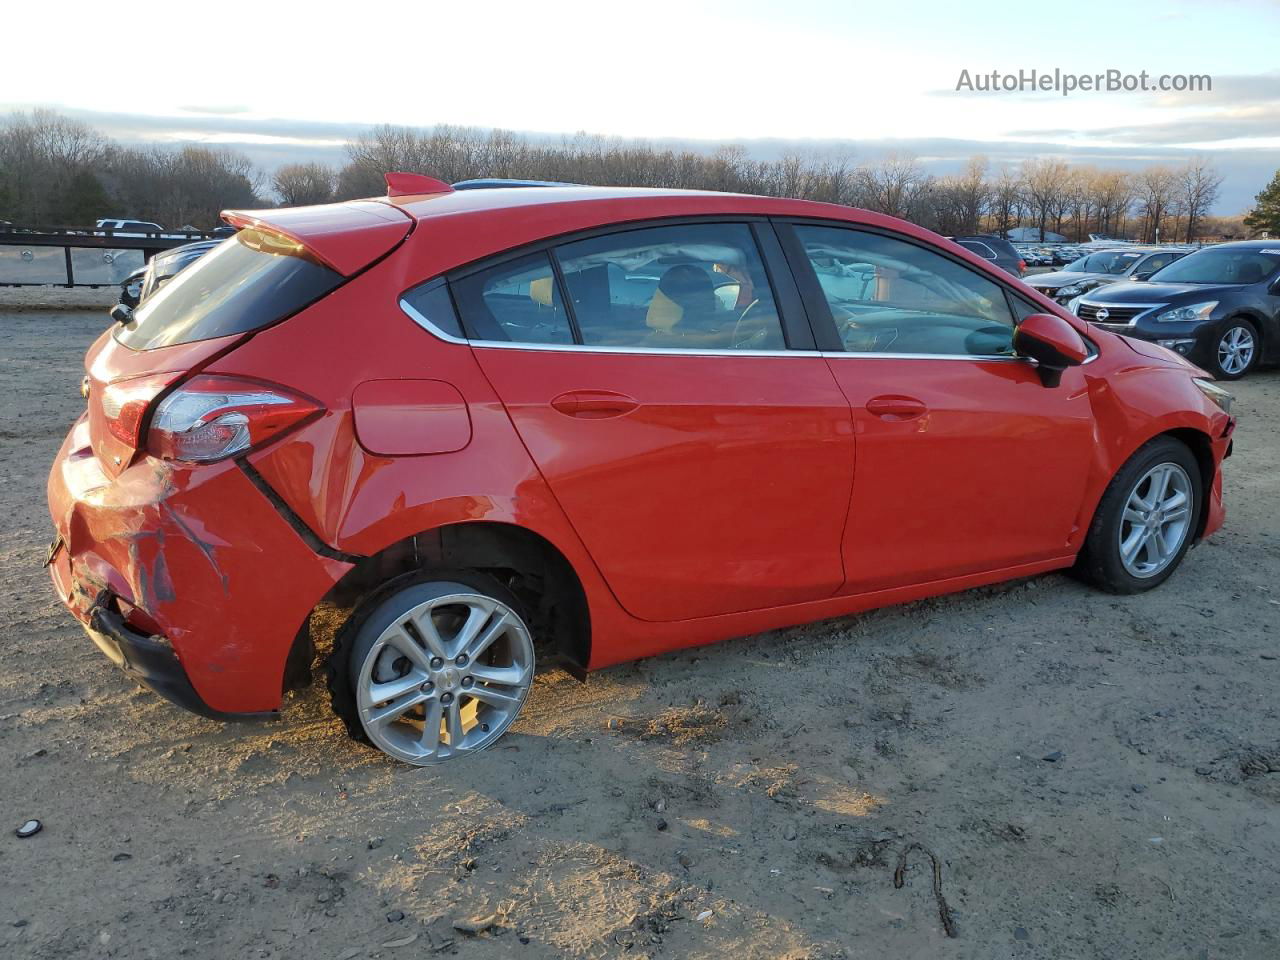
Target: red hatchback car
[587,425]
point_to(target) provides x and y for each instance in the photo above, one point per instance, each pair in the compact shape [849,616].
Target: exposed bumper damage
[125,543]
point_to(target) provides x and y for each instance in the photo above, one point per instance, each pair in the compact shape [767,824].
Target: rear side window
[678,287]
[431,306]
[249,282]
[516,301]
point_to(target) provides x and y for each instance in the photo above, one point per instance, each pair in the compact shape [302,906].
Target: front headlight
[1215,393]
[1197,311]
[1071,290]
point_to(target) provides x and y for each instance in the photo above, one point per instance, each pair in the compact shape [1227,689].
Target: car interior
[883,304]
[647,292]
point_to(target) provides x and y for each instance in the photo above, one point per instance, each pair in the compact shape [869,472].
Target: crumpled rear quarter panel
[182,544]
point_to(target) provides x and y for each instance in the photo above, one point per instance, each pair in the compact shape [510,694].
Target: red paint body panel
[702,497]
[948,490]
[723,489]
[397,418]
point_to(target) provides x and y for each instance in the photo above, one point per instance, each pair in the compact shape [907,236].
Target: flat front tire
[1146,520]
[434,669]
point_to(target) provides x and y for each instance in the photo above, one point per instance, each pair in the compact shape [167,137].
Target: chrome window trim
[413,314]
[435,331]
[416,316]
[638,351]
[978,357]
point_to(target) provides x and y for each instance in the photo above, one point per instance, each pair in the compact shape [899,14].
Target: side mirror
[1052,343]
[121,314]
[1144,275]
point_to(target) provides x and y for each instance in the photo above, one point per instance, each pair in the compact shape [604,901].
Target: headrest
[542,291]
[664,313]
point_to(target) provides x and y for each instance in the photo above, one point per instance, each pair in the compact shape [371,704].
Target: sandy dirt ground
[1097,776]
[21,299]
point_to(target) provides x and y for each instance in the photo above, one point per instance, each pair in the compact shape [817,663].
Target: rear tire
[1146,519]
[432,666]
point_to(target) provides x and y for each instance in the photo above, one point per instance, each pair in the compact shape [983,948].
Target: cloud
[1229,89]
[219,110]
[1217,127]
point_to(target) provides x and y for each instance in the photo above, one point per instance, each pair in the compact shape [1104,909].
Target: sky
[288,80]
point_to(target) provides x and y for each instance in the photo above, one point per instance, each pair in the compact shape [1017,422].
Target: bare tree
[1045,184]
[301,184]
[892,185]
[45,156]
[1112,194]
[1006,195]
[1198,187]
[1157,190]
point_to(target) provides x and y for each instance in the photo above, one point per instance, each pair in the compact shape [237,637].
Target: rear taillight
[213,417]
[1022,267]
[124,405]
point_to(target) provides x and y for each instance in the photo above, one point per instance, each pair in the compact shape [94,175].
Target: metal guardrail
[80,256]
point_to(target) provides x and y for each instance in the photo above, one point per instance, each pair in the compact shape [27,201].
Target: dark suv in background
[1219,307]
[996,250]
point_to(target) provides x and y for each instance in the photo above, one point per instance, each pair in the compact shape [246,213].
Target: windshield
[244,283]
[1110,261]
[1221,265]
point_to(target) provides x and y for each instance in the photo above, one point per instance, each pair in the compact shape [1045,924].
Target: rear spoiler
[344,236]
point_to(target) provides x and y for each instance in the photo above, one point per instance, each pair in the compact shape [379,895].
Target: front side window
[891,296]
[680,287]
[516,301]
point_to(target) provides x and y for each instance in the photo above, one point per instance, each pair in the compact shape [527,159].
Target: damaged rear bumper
[186,576]
[150,661]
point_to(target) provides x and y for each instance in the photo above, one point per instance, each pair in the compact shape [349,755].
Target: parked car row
[1046,255]
[1219,306]
[1098,269]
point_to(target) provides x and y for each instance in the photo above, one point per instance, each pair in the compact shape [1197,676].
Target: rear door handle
[896,408]
[594,404]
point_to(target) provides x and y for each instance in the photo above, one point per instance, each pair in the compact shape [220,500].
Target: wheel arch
[1201,446]
[525,561]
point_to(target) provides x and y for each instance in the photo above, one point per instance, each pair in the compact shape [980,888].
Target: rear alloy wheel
[1146,520]
[1237,350]
[440,670]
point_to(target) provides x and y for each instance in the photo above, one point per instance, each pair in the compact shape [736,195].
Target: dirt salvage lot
[1098,776]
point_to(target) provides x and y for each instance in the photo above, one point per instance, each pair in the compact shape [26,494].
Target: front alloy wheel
[1237,350]
[1156,520]
[1146,520]
[440,670]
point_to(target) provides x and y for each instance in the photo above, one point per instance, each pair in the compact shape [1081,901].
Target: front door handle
[594,404]
[896,408]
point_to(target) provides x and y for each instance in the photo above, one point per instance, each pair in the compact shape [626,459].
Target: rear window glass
[246,283]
